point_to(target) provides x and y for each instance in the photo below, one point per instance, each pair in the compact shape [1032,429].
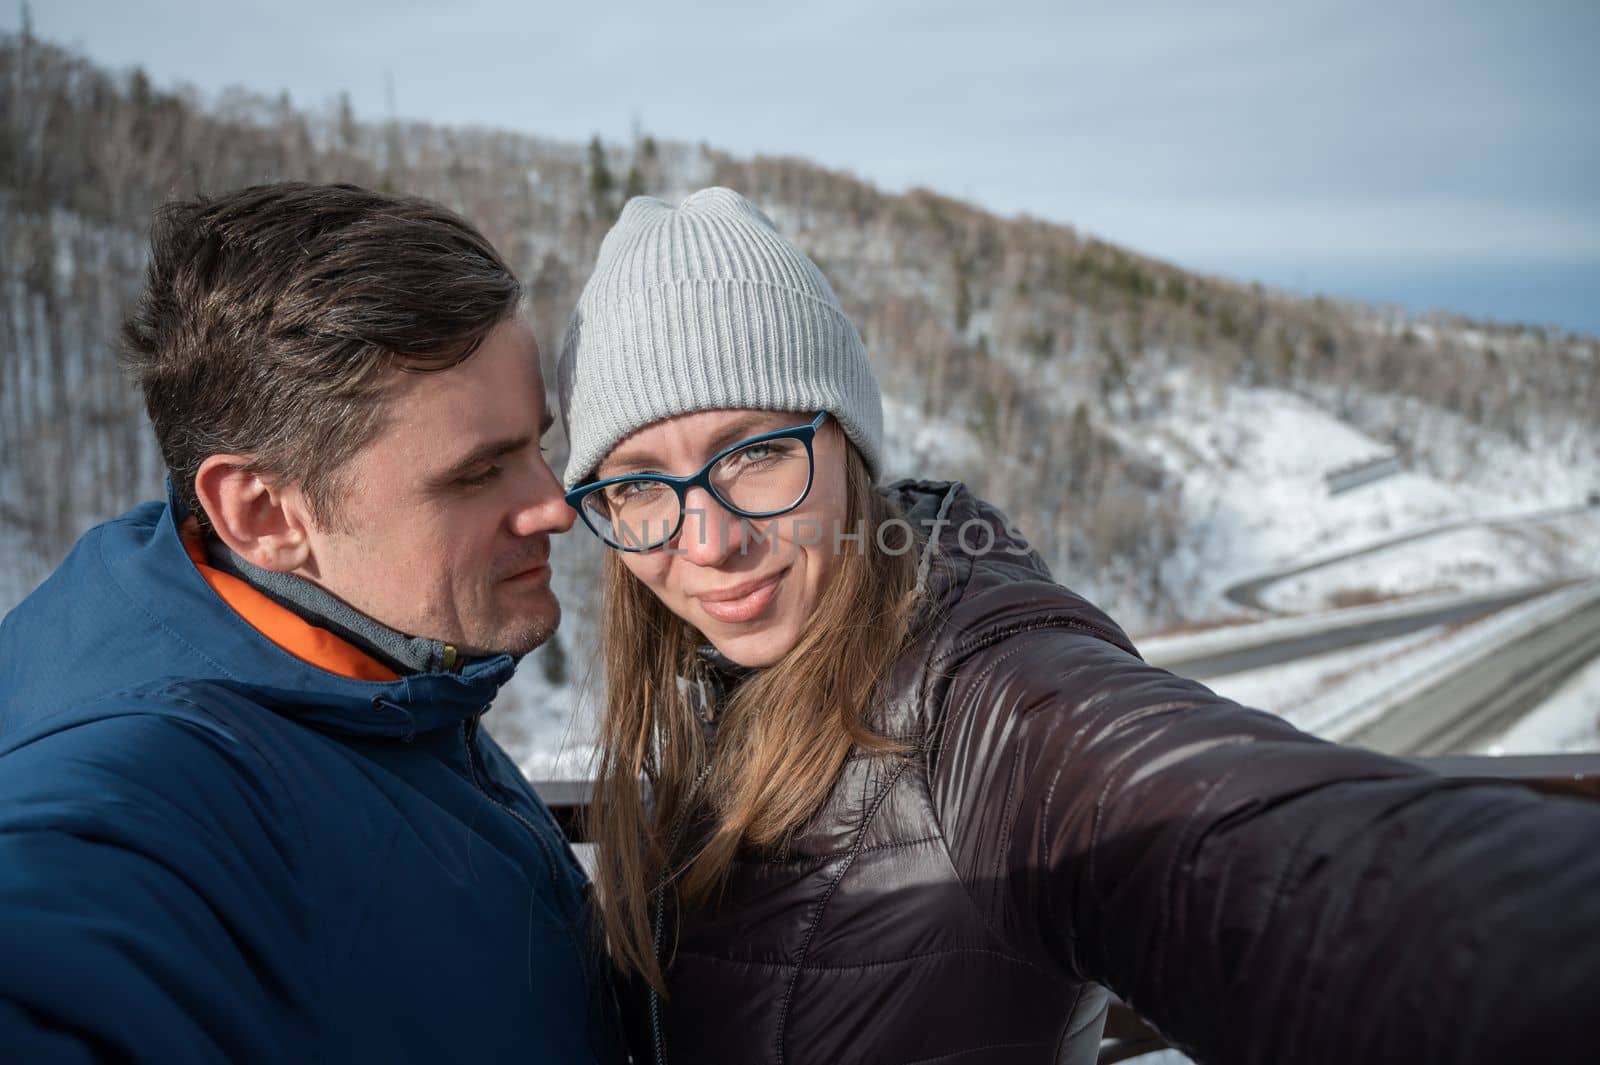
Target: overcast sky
[1426,153]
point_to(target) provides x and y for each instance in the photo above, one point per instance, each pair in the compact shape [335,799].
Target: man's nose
[541,505]
[709,532]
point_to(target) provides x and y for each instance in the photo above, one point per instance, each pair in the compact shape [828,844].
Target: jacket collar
[158,572]
[978,574]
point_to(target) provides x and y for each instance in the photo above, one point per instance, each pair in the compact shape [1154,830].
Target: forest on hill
[1049,352]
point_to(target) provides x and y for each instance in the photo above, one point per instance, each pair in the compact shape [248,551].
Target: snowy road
[1486,695]
[1265,644]
[1272,648]
[1249,593]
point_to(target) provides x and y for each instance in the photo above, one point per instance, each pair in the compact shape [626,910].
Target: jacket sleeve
[1256,893]
[146,911]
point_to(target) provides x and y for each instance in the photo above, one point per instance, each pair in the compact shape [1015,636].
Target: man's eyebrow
[754,424]
[485,452]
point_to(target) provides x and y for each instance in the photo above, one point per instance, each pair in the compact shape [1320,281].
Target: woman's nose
[709,533]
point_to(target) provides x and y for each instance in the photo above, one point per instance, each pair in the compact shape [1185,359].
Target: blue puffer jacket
[211,851]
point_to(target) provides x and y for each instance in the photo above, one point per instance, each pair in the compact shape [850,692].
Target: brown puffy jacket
[1074,819]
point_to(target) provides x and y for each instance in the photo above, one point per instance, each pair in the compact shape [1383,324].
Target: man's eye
[478,479]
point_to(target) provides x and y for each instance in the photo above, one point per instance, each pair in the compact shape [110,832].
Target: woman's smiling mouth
[743,602]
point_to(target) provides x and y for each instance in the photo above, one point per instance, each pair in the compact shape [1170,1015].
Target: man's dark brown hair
[271,315]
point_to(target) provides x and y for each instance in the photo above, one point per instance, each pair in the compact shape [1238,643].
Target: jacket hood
[128,608]
[978,575]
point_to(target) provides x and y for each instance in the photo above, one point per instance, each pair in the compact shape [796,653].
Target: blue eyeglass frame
[806,434]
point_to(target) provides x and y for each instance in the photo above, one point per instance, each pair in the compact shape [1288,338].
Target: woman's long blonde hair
[781,738]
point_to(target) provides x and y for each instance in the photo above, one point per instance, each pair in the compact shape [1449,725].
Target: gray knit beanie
[705,307]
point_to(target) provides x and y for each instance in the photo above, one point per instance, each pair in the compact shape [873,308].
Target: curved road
[1247,593]
[1276,650]
[1469,706]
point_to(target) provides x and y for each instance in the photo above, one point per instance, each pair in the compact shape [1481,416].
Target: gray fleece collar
[404,654]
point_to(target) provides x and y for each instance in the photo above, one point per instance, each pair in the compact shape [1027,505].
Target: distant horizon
[1545,295]
[1321,150]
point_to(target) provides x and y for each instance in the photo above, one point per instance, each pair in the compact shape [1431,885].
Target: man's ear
[261,520]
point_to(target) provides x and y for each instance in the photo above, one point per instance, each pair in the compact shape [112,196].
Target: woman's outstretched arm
[1258,894]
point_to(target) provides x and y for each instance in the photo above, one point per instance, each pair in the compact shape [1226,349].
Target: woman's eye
[631,490]
[757,455]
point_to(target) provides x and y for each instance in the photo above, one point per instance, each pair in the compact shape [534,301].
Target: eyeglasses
[761,477]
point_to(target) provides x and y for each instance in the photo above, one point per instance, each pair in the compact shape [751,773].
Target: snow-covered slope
[1252,468]
[1115,406]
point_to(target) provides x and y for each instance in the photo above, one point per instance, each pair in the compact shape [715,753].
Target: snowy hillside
[1253,468]
[1164,438]
[1252,465]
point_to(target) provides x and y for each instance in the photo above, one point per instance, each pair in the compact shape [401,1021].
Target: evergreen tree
[601,183]
[347,123]
[1080,450]
[963,309]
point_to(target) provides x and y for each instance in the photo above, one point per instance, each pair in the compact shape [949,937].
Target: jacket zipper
[469,731]
[659,920]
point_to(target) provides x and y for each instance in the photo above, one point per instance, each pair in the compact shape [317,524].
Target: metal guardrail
[567,799]
[1363,471]
[1126,1034]
[1554,774]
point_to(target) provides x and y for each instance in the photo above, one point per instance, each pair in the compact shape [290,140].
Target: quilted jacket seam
[956,1054]
[1069,1029]
[992,636]
[855,966]
[822,906]
[842,853]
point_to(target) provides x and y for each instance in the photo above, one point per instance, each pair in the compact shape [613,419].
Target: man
[246,810]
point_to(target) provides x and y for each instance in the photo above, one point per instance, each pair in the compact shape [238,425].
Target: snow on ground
[1305,689]
[1557,462]
[1478,559]
[1333,694]
[545,717]
[1252,473]
[1567,721]
[547,728]
[915,445]
[1238,633]
[1252,463]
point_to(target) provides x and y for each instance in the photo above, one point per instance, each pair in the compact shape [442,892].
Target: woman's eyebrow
[742,428]
[627,461]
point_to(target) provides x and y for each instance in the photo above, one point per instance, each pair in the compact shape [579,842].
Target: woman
[909,800]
